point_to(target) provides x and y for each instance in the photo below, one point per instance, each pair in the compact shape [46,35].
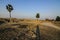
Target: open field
[57,23]
[23,31]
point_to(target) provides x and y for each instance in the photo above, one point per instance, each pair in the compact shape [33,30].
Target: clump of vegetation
[57,18]
[1,22]
[37,16]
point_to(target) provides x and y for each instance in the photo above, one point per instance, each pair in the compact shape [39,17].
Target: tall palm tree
[9,7]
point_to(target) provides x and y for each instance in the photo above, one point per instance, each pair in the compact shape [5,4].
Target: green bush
[57,18]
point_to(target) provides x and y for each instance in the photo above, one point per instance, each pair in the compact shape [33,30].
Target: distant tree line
[56,19]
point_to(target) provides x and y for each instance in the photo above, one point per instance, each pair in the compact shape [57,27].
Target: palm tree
[37,16]
[9,7]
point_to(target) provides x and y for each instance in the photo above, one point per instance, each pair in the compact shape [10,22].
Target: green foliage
[9,7]
[37,15]
[57,18]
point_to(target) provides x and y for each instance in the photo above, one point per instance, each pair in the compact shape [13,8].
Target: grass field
[23,31]
[57,23]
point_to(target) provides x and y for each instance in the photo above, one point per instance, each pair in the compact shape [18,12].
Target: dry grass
[8,32]
[57,23]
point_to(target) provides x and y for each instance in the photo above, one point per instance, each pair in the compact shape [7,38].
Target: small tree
[37,16]
[9,7]
[37,29]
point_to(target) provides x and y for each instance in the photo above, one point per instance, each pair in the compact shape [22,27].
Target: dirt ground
[48,30]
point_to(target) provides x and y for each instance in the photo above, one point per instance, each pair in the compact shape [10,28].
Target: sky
[29,8]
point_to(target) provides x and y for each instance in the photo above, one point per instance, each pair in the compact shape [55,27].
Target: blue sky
[29,8]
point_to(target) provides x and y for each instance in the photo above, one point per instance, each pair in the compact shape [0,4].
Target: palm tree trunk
[37,21]
[10,16]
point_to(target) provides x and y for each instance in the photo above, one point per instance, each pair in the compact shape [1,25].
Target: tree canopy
[37,15]
[57,18]
[9,7]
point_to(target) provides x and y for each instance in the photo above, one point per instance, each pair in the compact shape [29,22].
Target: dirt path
[50,25]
